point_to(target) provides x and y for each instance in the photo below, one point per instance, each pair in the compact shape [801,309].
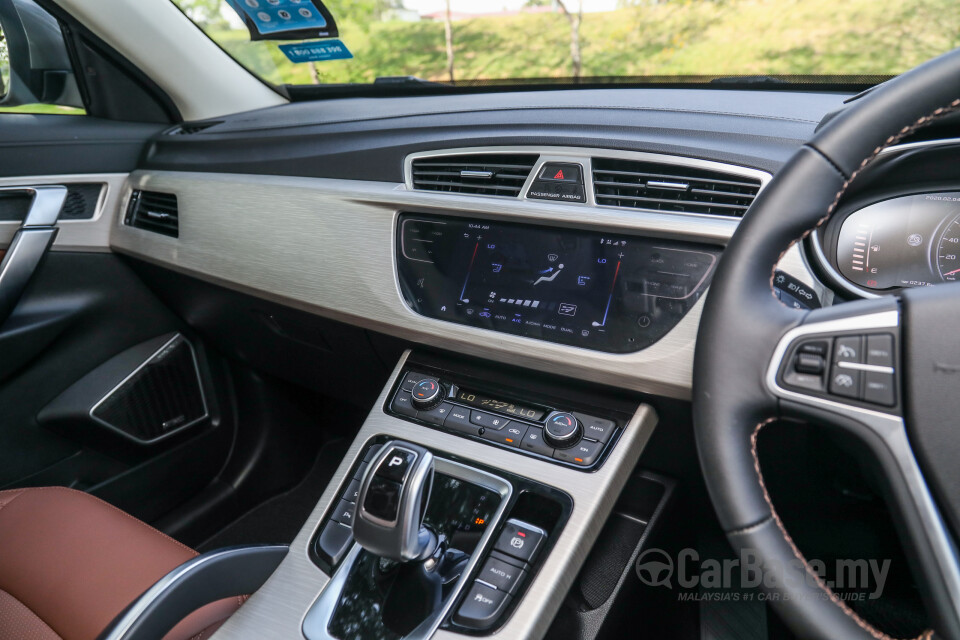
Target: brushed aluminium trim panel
[278,608]
[326,246]
[75,235]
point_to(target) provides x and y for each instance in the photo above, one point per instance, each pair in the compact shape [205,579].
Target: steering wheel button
[848,349]
[878,388]
[815,348]
[810,364]
[880,350]
[845,382]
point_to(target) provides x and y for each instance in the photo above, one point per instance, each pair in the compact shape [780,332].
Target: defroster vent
[659,186]
[154,211]
[489,174]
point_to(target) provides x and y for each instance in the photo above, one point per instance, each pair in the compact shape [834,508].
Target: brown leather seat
[69,563]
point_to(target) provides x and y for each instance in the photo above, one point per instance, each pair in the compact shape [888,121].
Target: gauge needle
[951,273]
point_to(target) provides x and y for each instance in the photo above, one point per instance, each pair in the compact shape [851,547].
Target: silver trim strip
[277,610]
[910,146]
[865,367]
[890,428]
[166,583]
[317,620]
[74,235]
[203,395]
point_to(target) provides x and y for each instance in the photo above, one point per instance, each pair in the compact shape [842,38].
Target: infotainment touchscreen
[605,291]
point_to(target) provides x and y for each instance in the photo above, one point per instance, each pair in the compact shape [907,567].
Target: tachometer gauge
[948,251]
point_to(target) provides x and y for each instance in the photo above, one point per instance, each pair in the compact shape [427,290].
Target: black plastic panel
[604,291]
[368,138]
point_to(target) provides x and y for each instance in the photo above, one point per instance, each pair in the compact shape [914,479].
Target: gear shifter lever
[393,498]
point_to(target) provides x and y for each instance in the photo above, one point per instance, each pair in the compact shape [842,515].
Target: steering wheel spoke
[842,359]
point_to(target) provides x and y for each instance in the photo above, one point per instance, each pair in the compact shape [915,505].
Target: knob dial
[562,430]
[427,394]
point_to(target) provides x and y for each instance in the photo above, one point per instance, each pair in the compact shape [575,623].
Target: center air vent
[153,211]
[668,187]
[484,174]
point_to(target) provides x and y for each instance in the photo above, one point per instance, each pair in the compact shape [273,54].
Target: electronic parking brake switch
[500,575]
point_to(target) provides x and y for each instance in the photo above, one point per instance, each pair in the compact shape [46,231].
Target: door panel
[80,310]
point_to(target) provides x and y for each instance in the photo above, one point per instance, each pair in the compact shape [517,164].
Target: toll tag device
[285,19]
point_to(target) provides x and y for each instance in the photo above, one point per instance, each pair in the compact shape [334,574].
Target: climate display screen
[603,291]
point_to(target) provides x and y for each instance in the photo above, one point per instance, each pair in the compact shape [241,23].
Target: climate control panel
[563,435]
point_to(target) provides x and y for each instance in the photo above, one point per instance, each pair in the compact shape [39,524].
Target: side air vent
[153,211]
[482,174]
[190,128]
[667,187]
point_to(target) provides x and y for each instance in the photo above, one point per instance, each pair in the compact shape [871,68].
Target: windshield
[541,41]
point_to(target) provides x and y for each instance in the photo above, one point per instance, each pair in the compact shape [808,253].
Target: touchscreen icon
[567,309]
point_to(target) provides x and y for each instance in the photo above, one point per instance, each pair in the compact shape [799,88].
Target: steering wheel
[756,362]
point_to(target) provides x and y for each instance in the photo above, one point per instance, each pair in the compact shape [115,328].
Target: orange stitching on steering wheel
[863,624]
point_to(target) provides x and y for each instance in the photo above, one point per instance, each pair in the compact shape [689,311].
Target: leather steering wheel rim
[743,323]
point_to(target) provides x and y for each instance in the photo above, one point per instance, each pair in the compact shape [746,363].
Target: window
[35,71]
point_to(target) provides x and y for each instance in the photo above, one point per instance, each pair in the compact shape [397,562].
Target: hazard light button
[556,172]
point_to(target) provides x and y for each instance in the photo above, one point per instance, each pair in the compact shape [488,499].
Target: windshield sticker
[285,19]
[316,51]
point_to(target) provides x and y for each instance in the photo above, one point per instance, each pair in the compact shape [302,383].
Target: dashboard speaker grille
[635,184]
[153,211]
[482,174]
[161,397]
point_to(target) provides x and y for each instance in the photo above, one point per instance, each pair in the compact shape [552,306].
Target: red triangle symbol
[559,175]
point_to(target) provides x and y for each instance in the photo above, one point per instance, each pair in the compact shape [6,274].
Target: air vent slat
[154,211]
[494,174]
[633,184]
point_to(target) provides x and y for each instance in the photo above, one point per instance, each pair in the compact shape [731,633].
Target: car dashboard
[571,235]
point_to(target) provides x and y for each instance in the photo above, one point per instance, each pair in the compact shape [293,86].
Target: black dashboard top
[368,138]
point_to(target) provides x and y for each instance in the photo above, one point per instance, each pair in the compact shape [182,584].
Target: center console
[464,507]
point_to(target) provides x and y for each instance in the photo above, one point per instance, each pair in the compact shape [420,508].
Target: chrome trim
[476,174]
[203,395]
[277,610]
[45,207]
[836,278]
[910,146]
[676,186]
[74,235]
[317,619]
[865,367]
[889,428]
[584,157]
[167,582]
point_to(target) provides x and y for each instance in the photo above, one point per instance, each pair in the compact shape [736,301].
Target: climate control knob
[562,430]
[427,394]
